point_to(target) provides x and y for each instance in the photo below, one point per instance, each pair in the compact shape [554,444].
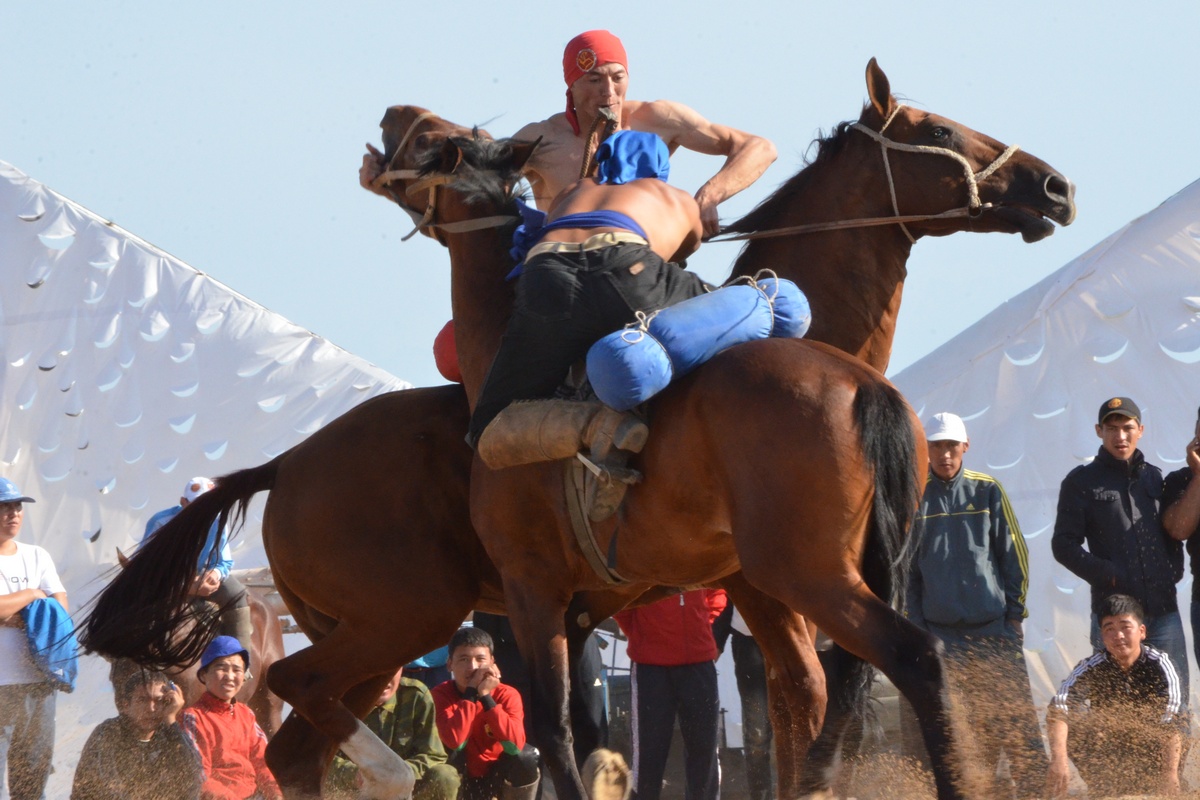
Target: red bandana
[584,53]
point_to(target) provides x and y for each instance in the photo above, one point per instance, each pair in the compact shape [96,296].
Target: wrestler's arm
[746,156]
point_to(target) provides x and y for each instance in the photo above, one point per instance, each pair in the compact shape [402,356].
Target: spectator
[589,728]
[213,580]
[27,697]
[968,588]
[403,718]
[142,753]
[1181,518]
[1112,506]
[232,746]
[482,723]
[1119,715]
[672,649]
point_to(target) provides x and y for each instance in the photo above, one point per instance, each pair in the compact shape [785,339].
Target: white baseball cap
[197,487]
[945,427]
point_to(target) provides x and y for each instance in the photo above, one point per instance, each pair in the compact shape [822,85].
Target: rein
[973,208]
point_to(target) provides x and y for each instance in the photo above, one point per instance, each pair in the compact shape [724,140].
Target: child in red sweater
[231,745]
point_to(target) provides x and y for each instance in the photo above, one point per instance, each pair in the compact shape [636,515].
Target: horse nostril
[1059,188]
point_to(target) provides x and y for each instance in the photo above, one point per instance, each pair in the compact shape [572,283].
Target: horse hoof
[606,776]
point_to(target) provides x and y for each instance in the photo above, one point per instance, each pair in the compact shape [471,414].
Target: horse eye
[940,133]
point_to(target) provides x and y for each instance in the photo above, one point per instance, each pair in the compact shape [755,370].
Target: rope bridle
[431,183]
[973,208]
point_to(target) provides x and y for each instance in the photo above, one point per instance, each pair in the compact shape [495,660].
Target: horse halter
[972,178]
[430,183]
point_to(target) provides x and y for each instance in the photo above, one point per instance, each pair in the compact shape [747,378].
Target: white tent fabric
[123,373]
[1029,378]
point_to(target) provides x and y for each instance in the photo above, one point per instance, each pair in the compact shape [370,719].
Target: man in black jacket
[1112,505]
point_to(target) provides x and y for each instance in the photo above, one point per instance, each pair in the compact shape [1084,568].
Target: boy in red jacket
[231,745]
[673,652]
[482,723]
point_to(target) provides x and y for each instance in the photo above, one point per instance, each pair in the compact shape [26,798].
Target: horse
[266,647]
[409,511]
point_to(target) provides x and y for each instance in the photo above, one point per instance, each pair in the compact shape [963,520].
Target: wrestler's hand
[1193,455]
[372,168]
[710,220]
[207,584]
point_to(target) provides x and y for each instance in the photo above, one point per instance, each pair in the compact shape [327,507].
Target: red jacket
[674,631]
[486,733]
[232,749]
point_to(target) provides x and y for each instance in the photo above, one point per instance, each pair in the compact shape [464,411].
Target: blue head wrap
[628,155]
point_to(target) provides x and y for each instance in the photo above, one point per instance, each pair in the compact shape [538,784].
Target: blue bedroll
[630,366]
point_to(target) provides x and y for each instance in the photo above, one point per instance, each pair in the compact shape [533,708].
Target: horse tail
[141,614]
[886,434]
[887,437]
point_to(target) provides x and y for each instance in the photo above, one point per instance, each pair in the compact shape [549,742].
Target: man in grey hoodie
[968,588]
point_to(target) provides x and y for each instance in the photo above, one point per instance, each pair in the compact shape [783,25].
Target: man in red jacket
[482,723]
[673,652]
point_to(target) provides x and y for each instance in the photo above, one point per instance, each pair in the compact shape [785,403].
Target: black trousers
[751,673]
[565,303]
[515,770]
[659,695]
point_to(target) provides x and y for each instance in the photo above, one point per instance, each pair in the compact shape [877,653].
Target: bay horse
[409,536]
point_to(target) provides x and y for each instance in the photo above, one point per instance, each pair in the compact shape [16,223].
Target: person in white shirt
[27,575]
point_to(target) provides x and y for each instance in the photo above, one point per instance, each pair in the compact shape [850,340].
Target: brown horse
[409,538]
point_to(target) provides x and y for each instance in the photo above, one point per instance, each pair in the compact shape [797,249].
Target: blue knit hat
[9,493]
[224,646]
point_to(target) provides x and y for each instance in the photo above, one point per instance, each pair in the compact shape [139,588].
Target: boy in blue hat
[27,574]
[232,746]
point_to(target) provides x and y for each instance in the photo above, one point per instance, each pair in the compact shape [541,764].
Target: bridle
[431,183]
[973,208]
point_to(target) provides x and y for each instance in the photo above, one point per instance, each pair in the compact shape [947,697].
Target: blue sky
[230,134]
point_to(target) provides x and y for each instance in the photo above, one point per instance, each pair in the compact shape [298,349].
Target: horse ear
[522,152]
[879,90]
[393,130]
[450,157]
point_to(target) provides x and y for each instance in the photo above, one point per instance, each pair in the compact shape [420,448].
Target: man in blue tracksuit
[968,589]
[214,582]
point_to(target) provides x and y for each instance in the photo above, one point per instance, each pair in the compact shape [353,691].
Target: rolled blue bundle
[793,315]
[630,366]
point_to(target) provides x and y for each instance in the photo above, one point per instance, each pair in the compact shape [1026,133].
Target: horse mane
[763,216]
[489,176]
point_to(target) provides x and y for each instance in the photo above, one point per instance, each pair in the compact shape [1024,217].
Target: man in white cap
[213,582]
[968,588]
[27,574]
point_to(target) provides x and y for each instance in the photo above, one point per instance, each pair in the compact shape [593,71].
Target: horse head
[423,152]
[1001,189]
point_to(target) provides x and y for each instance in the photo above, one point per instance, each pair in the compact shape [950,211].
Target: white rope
[971,177]
[635,331]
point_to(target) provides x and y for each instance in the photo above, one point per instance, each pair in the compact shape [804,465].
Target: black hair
[138,678]
[471,637]
[1119,605]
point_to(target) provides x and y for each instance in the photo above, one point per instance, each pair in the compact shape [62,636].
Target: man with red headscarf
[596,71]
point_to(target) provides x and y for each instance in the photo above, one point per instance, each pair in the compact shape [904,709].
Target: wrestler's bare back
[669,216]
[556,162]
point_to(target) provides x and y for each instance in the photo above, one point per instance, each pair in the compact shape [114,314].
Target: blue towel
[437,658]
[51,635]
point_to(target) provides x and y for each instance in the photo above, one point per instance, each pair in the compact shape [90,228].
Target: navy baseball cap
[9,493]
[224,646]
[1120,405]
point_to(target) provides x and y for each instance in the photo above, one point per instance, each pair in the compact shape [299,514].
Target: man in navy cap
[1112,505]
[27,574]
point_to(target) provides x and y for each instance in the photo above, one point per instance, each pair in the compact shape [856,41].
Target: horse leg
[538,622]
[349,664]
[795,681]
[867,627]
